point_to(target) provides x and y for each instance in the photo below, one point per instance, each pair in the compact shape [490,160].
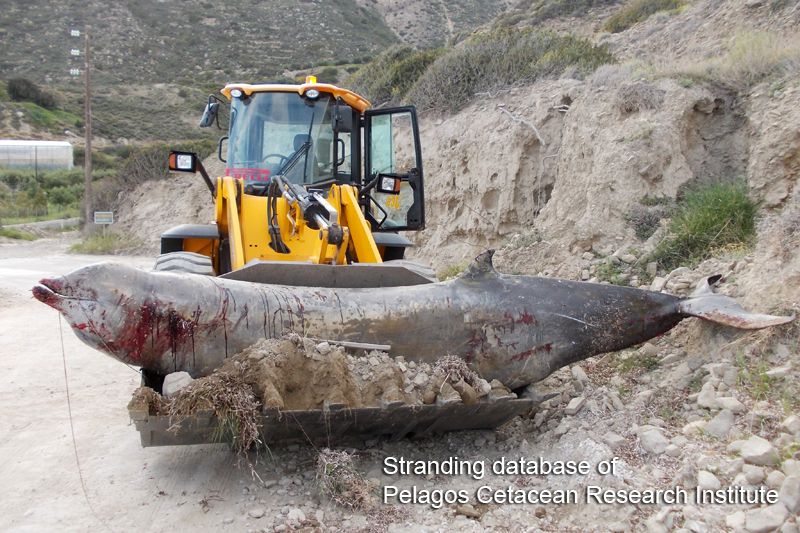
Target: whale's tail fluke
[705,304]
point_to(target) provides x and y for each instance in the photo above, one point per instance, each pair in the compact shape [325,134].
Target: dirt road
[155,489]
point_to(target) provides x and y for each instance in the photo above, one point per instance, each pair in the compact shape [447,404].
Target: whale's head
[116,309]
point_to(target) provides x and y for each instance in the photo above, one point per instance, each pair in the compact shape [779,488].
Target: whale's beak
[46,291]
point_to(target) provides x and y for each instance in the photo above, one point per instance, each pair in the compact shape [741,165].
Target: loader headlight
[313,94]
[236,93]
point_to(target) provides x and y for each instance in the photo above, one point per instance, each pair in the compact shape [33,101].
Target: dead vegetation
[638,96]
[233,402]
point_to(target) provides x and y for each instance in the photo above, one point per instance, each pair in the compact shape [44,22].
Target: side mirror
[388,184]
[182,161]
[189,162]
[209,117]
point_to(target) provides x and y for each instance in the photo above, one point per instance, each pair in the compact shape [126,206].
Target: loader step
[337,424]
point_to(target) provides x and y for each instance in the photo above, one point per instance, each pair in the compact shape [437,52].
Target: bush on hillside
[501,59]
[547,9]
[390,75]
[24,90]
[707,218]
[637,11]
[754,57]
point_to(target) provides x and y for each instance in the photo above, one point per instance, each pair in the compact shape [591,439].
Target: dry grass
[638,96]
[338,480]
[455,369]
[753,57]
[233,401]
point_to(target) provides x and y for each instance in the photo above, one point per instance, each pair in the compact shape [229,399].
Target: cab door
[393,183]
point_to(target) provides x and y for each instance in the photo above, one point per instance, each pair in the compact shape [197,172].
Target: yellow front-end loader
[316,188]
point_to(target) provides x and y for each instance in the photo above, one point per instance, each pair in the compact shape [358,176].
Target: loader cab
[307,138]
[314,135]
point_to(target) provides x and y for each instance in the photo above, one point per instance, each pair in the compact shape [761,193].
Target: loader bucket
[336,424]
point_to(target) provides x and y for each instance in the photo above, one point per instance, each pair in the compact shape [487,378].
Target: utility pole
[75,53]
[87,128]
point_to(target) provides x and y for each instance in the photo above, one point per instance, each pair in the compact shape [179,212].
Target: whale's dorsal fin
[481,266]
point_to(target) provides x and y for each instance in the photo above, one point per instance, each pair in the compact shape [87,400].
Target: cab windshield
[280,133]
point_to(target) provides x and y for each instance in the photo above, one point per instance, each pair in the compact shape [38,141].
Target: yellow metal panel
[352,99]
[229,187]
[350,216]
[199,246]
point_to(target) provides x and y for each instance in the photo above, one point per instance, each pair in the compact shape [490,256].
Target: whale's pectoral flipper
[704,303]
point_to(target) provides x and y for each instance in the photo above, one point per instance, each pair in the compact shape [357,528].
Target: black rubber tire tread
[188,262]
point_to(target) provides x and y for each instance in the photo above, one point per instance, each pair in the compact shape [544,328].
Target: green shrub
[500,59]
[24,90]
[637,11]
[611,272]
[707,218]
[104,243]
[13,233]
[547,9]
[390,75]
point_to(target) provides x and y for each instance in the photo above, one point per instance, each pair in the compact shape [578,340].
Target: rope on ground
[72,426]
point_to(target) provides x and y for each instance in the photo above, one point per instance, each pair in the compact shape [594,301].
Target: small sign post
[104,218]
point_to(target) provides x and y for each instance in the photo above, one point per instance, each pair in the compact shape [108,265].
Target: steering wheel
[281,162]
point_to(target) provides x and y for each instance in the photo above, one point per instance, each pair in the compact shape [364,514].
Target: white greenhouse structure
[41,155]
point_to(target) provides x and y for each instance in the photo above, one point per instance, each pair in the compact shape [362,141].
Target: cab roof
[352,99]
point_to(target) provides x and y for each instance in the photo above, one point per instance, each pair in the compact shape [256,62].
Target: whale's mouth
[46,291]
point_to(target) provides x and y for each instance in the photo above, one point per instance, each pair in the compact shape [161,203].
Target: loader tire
[188,262]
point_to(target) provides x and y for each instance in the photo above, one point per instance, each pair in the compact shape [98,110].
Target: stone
[324,348]
[753,474]
[693,428]
[258,512]
[482,387]
[658,284]
[669,359]
[420,379]
[708,396]
[735,520]
[728,402]
[627,258]
[673,450]
[720,425]
[174,382]
[579,374]
[468,394]
[791,424]
[765,519]
[758,451]
[754,3]
[296,516]
[652,268]
[648,350]
[613,440]
[575,405]
[447,394]
[653,441]
[779,372]
[708,481]
[788,527]
[468,510]
[790,493]
[585,275]
[775,479]
[373,361]
[791,467]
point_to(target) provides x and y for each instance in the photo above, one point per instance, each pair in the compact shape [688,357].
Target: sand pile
[295,373]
